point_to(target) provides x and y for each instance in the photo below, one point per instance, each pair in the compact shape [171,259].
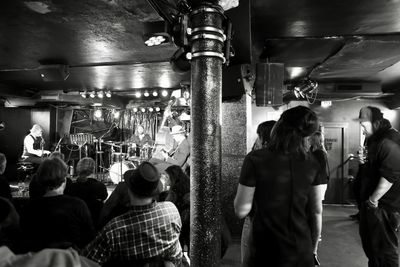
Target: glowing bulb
[100,94]
[135,109]
[151,109]
[116,114]
[92,94]
[157,109]
[146,94]
[108,94]
[98,113]
[143,110]
[155,93]
[164,93]
[138,94]
[84,94]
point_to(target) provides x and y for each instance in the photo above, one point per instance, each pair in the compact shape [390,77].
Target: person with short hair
[380,189]
[88,188]
[34,145]
[141,138]
[5,190]
[284,181]
[55,220]
[150,229]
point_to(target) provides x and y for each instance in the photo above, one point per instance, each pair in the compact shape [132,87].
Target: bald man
[33,145]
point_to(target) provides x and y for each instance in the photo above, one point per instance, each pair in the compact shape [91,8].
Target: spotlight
[164,93]
[108,94]
[135,109]
[146,94]
[92,94]
[84,94]
[100,94]
[155,93]
[98,113]
[156,33]
[138,94]
[157,109]
[116,115]
[151,109]
[143,110]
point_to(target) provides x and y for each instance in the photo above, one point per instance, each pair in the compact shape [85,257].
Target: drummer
[141,138]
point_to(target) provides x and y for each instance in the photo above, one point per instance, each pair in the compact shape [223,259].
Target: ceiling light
[155,93]
[143,110]
[92,94]
[98,113]
[116,115]
[157,109]
[156,33]
[151,109]
[146,94]
[135,109]
[164,93]
[108,94]
[138,94]
[100,94]
[84,94]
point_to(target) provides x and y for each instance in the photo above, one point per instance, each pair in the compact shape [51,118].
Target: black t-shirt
[50,221]
[322,158]
[383,161]
[282,186]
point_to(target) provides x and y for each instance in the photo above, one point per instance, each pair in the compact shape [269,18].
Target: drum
[146,153]
[132,150]
[118,169]
[117,157]
[124,148]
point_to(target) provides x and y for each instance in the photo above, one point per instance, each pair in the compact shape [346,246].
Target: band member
[141,138]
[34,145]
[180,155]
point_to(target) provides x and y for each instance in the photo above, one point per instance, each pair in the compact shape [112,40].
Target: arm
[180,156]
[383,186]
[244,200]
[315,204]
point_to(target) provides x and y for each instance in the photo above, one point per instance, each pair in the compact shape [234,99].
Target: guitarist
[180,155]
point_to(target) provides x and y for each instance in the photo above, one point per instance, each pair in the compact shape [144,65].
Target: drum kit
[126,156]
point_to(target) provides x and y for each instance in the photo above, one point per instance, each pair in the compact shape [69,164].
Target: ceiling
[344,42]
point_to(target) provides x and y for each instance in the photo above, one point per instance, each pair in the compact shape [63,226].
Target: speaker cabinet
[269,84]
[54,73]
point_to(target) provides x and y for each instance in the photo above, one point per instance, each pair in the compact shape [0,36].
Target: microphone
[58,144]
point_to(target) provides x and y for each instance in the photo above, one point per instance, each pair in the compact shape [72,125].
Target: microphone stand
[58,144]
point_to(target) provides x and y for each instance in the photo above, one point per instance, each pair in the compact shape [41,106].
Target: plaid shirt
[141,233]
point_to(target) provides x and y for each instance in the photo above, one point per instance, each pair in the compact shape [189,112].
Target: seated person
[141,138]
[5,190]
[55,220]
[34,145]
[181,154]
[88,188]
[149,229]
[9,224]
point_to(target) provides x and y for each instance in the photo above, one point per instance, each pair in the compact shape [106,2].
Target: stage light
[84,94]
[143,110]
[164,93]
[116,114]
[156,33]
[151,109]
[135,109]
[108,94]
[98,113]
[138,94]
[100,94]
[157,109]
[146,94]
[155,93]
[92,94]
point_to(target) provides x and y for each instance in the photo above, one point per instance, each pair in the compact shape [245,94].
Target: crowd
[146,219]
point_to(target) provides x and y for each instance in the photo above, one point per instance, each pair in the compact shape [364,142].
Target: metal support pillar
[207,41]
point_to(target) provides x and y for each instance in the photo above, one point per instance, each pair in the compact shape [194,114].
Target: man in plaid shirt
[148,230]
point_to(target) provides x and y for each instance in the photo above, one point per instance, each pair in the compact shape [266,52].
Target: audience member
[88,188]
[149,229]
[247,247]
[55,220]
[284,181]
[380,189]
[317,147]
[5,190]
[9,224]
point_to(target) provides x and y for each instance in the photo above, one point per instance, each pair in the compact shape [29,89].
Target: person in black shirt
[318,149]
[5,190]
[380,189]
[34,145]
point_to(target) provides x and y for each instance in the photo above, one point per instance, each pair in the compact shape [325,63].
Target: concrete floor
[340,246]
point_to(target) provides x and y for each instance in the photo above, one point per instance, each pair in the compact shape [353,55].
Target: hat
[144,181]
[369,113]
[177,129]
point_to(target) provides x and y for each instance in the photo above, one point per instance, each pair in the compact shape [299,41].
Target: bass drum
[118,169]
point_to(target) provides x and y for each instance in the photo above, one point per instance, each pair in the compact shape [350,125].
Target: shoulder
[167,206]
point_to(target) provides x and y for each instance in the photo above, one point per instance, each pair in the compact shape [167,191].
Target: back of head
[3,163]
[264,130]
[51,173]
[36,128]
[57,154]
[144,181]
[288,135]
[180,182]
[85,167]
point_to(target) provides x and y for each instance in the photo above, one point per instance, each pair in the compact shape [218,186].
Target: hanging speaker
[269,84]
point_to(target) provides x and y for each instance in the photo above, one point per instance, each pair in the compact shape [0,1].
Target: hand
[371,204]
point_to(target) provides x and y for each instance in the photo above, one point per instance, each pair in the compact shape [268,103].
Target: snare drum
[115,171]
